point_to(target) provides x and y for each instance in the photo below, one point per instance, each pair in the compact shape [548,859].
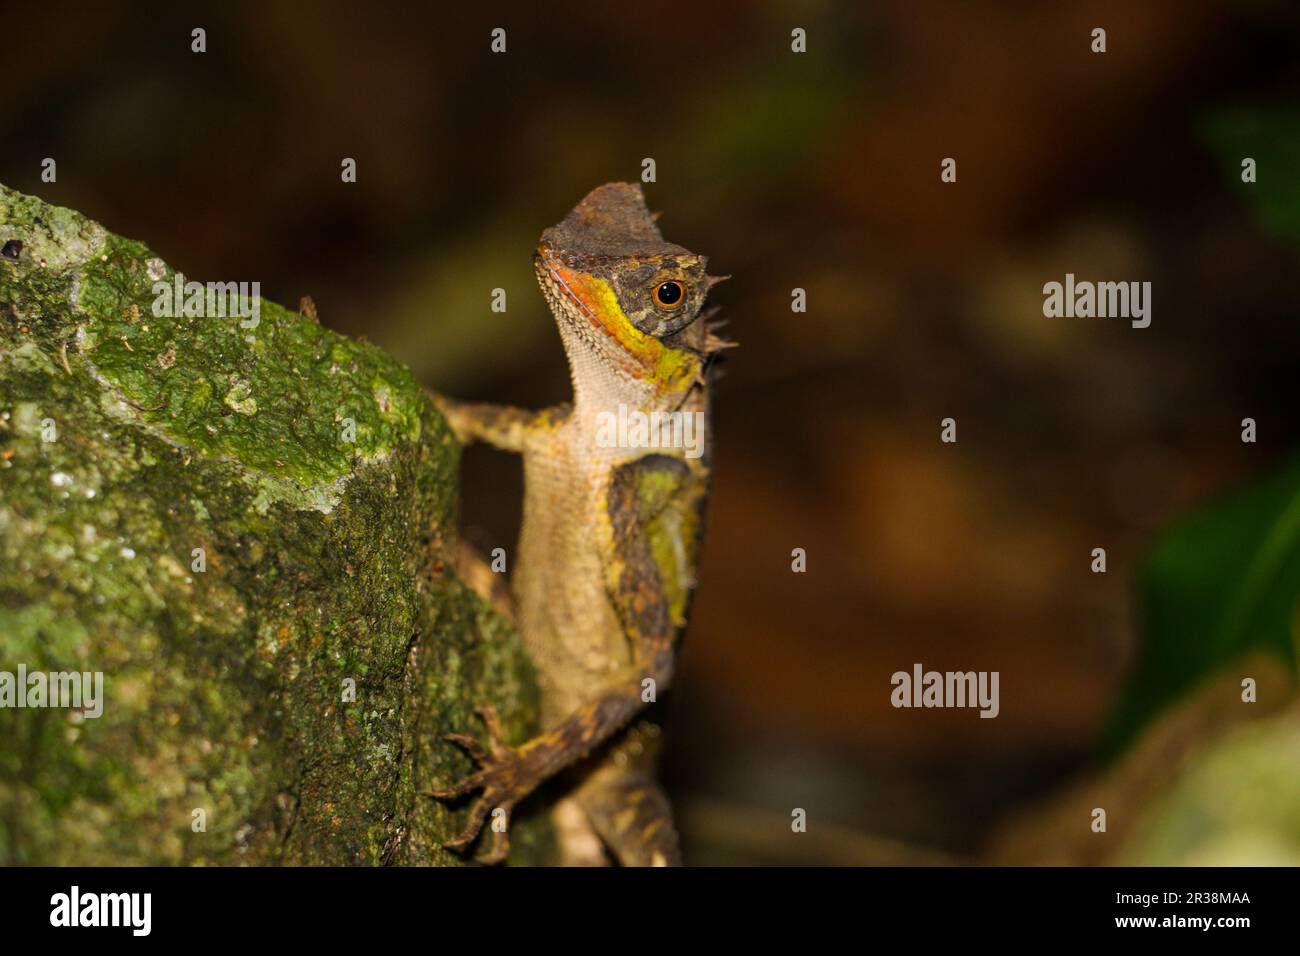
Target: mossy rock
[312,482]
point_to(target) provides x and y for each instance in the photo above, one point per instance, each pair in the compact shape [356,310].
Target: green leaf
[1222,582]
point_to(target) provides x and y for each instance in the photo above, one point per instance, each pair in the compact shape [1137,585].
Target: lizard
[610,535]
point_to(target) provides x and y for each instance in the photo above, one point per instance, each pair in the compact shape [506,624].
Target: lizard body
[611,530]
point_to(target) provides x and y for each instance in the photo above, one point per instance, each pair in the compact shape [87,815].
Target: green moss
[317,485]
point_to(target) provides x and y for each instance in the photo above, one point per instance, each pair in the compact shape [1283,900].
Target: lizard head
[618,289]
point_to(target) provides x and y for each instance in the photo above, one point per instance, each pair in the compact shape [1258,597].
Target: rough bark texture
[127,441]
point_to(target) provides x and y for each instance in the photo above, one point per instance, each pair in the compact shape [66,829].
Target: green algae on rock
[248,532]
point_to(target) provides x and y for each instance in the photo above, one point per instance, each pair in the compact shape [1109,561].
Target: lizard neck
[603,386]
[605,378]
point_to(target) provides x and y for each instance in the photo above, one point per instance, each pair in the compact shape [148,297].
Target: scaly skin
[610,536]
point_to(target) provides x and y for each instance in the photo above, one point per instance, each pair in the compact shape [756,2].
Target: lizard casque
[610,535]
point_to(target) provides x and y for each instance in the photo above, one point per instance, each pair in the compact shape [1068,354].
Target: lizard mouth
[556,274]
[562,282]
[587,319]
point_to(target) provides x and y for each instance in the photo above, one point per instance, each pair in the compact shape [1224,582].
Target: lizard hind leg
[625,805]
[631,814]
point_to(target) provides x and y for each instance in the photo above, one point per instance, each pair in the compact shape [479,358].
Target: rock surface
[247,529]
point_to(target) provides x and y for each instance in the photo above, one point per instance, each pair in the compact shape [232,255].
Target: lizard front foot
[505,776]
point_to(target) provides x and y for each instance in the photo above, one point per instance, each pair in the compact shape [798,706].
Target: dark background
[818,171]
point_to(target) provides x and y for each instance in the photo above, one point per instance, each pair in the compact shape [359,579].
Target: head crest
[611,221]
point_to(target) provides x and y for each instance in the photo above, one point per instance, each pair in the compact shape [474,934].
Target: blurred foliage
[1234,806]
[1220,583]
[1227,579]
[1270,136]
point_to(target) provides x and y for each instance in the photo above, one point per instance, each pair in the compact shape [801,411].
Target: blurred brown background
[819,171]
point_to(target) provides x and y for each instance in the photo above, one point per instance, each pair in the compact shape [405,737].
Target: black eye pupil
[669,293]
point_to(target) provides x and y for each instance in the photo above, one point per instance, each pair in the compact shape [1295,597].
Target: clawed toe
[471,831]
[500,848]
[468,744]
[499,778]
[492,721]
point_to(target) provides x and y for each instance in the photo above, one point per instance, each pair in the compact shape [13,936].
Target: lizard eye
[669,294]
